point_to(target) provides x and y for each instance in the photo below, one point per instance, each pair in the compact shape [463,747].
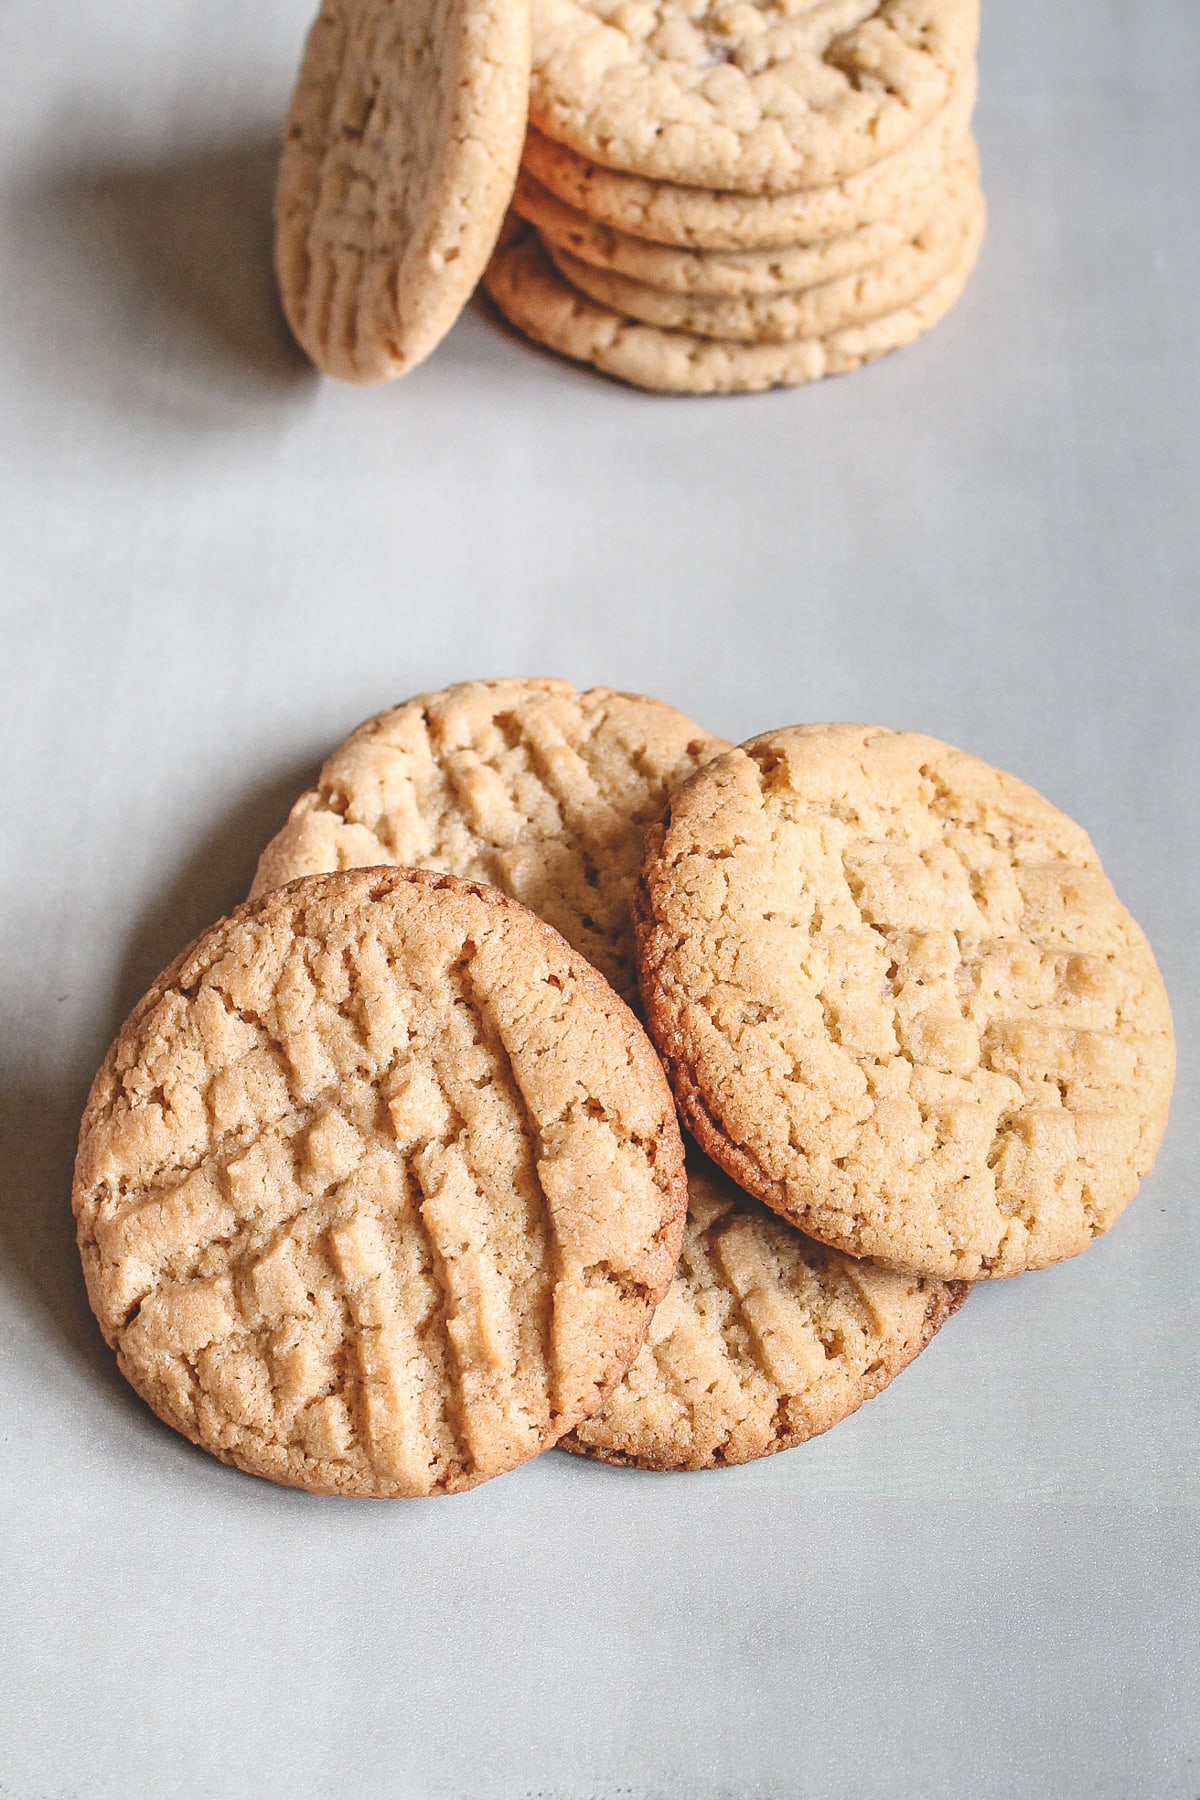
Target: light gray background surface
[215,563]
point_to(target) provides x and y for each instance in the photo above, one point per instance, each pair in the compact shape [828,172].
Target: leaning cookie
[764,1339]
[899,1001]
[534,787]
[399,157]
[378,1187]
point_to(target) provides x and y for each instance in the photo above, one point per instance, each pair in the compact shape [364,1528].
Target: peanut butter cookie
[399,157]
[378,1187]
[760,99]
[533,296]
[531,786]
[764,1339]
[727,274]
[703,218]
[895,281]
[899,1001]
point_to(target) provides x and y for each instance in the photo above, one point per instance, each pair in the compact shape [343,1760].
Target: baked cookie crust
[897,280]
[533,787]
[758,99]
[399,157]
[763,1340]
[701,218]
[898,999]
[532,295]
[378,1187]
[725,274]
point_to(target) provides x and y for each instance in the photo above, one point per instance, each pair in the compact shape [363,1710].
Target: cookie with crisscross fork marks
[764,1339]
[899,1000]
[531,786]
[378,1187]
[399,157]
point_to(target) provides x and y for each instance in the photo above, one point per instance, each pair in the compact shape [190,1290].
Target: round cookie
[756,99]
[727,274]
[700,218]
[378,1187]
[896,280]
[399,158]
[764,1339]
[533,297]
[899,1001]
[531,786]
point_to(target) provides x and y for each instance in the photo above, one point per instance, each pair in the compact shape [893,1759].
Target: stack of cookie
[744,196]
[709,201]
[381,1189]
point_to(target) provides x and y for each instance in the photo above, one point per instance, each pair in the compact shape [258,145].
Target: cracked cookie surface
[752,96]
[699,218]
[763,1340]
[399,157]
[378,1187]
[896,280]
[533,296]
[530,786]
[899,1001]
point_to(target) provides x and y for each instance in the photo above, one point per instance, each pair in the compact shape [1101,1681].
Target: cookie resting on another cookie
[760,98]
[399,157]
[764,1339]
[532,295]
[699,218]
[531,786]
[378,1187]
[899,1001]
[720,273]
[896,280]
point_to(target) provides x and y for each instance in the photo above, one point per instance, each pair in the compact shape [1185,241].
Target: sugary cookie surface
[764,1339]
[755,97]
[378,1187]
[900,1001]
[531,786]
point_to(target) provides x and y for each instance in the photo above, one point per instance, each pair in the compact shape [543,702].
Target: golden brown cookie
[899,1001]
[399,158]
[897,280]
[756,98]
[764,1339]
[532,295]
[726,274]
[378,1187]
[531,786]
[700,218]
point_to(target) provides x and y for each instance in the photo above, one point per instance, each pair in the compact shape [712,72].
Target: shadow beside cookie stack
[708,201]
[380,1189]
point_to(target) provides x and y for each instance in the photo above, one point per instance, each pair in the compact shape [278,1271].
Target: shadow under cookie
[161,266]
